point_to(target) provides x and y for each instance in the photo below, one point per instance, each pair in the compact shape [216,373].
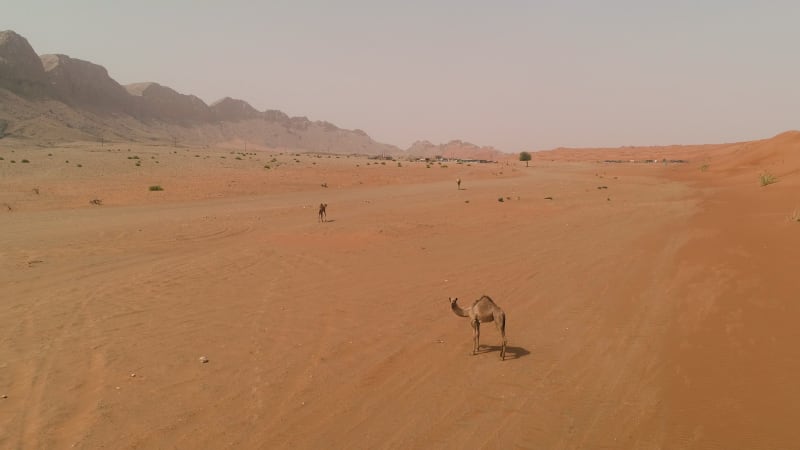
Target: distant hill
[56,98]
[453,149]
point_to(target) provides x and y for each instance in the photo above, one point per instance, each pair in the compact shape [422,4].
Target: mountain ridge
[98,107]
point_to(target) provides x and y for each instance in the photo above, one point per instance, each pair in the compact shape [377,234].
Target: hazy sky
[519,75]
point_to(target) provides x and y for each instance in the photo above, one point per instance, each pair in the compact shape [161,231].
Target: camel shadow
[329,220]
[511,352]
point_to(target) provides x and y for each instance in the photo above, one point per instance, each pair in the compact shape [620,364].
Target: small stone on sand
[203,359]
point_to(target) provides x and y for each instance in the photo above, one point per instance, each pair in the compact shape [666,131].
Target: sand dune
[649,305]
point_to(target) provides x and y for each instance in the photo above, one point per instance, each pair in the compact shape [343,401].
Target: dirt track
[659,312]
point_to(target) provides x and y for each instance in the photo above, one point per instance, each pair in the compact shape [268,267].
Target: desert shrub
[1,158]
[399,164]
[156,188]
[25,161]
[500,199]
[239,158]
[80,165]
[704,168]
[767,178]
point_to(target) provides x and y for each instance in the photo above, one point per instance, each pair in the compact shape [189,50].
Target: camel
[482,310]
[323,217]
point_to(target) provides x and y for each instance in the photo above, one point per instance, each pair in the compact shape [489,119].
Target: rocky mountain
[21,70]
[83,84]
[231,109]
[56,98]
[153,101]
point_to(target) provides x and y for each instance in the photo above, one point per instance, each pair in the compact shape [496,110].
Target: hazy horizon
[515,75]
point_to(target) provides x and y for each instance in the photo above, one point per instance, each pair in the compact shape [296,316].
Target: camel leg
[501,327]
[476,336]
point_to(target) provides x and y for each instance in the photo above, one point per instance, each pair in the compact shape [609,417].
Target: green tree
[525,156]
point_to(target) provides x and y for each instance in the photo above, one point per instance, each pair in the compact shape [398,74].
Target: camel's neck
[457,309]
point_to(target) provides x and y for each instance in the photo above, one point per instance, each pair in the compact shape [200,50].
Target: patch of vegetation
[133,157]
[266,166]
[156,188]
[13,161]
[25,161]
[80,165]
[399,164]
[239,158]
[500,199]
[767,178]
[1,158]
[704,168]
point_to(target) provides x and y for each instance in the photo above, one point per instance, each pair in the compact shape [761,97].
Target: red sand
[660,312]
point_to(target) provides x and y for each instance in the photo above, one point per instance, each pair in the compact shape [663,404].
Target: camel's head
[453,300]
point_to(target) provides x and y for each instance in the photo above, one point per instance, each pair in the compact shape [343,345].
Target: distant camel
[482,310]
[323,217]
[458,182]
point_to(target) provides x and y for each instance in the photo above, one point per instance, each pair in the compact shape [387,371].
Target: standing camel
[482,310]
[323,216]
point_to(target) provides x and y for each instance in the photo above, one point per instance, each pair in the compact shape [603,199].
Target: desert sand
[648,305]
